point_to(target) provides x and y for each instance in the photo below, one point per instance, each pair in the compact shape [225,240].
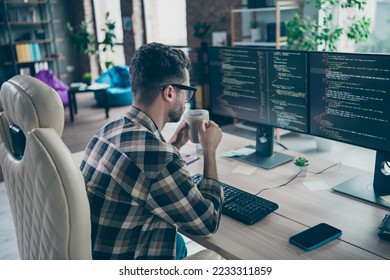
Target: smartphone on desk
[315,236]
[189,158]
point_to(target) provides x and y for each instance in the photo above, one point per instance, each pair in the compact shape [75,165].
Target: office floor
[346,154]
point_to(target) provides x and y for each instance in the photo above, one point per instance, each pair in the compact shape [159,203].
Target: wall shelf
[279,41]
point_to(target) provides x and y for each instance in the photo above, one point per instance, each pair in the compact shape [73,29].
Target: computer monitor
[350,102]
[264,86]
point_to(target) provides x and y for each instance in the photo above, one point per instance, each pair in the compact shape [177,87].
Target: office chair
[45,187]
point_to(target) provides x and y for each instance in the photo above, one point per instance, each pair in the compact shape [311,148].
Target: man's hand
[210,136]
[180,137]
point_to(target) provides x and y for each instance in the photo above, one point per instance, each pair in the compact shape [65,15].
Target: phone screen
[315,237]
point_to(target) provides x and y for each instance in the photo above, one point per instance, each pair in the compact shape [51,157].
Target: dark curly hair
[154,65]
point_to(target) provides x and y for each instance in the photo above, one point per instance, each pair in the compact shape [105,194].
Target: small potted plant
[255,30]
[201,29]
[87,78]
[301,165]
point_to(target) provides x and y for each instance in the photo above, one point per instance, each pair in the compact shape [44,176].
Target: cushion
[119,91]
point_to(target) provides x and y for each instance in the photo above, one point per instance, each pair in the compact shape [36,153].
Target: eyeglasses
[189,91]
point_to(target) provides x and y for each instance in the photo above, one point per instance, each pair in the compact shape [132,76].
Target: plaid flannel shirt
[140,192]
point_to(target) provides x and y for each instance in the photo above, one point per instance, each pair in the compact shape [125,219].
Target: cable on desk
[296,175]
[323,170]
[282,185]
[280,144]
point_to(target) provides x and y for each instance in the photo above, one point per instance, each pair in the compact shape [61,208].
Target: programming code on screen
[262,86]
[349,98]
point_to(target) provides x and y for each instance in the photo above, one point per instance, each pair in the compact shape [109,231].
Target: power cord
[280,144]
[296,175]
[282,185]
[323,170]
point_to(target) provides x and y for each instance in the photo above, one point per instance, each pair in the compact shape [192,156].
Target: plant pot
[255,34]
[302,170]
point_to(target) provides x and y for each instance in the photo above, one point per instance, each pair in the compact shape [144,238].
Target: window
[166,22]
[379,39]
[101,7]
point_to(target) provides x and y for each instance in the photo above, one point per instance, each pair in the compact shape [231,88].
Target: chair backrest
[117,76]
[45,187]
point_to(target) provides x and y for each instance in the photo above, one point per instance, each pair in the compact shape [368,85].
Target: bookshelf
[27,39]
[276,15]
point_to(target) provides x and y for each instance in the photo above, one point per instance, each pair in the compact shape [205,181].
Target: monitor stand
[367,189]
[265,157]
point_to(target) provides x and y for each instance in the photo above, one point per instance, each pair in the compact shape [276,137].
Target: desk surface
[299,208]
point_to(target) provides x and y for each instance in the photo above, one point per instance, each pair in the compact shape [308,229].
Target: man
[139,188]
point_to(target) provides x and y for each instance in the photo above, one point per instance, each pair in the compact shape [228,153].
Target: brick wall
[214,12]
[128,36]
[74,10]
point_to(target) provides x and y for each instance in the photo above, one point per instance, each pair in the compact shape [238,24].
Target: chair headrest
[29,103]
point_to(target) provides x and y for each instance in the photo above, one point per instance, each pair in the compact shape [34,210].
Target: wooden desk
[299,208]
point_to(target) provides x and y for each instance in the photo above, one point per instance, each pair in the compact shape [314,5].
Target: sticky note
[317,185]
[386,198]
[245,170]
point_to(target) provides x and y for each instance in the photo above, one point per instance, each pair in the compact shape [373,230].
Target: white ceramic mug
[192,118]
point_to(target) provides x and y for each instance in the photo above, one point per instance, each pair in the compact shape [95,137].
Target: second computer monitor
[350,97]
[350,102]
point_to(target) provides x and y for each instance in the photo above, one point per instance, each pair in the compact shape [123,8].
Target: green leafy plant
[109,31]
[82,38]
[301,161]
[304,33]
[87,78]
[254,24]
[201,28]
[109,38]
[86,42]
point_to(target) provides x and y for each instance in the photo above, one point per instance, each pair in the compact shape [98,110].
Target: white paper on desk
[317,185]
[244,151]
[78,85]
[231,154]
[240,152]
[96,86]
[245,170]
[386,198]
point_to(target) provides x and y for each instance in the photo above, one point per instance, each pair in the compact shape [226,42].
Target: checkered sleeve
[174,198]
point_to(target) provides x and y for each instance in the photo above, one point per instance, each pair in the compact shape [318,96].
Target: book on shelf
[37,52]
[28,52]
[19,55]
[31,51]
[22,53]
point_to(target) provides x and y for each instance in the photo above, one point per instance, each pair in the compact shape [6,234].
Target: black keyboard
[241,205]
